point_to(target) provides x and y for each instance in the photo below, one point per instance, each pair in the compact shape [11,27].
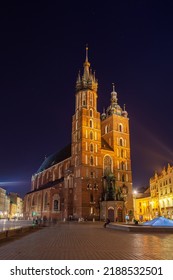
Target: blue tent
[159,222]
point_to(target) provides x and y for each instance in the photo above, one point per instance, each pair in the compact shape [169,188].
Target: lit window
[120,127]
[121,142]
[91,160]
[91,147]
[91,123]
[55,205]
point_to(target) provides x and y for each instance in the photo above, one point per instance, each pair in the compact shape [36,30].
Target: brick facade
[95,168]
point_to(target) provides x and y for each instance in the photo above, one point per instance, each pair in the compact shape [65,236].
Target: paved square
[88,241]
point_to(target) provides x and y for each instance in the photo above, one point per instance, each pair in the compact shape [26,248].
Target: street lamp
[134,202]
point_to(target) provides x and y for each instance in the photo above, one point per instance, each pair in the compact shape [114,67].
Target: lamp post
[134,202]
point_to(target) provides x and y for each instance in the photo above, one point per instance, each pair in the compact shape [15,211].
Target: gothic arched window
[121,142]
[56,202]
[107,165]
[91,160]
[55,205]
[91,123]
[123,178]
[84,99]
[120,127]
[122,165]
[91,148]
[91,135]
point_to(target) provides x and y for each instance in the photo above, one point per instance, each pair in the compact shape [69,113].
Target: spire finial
[113,85]
[86,60]
[124,107]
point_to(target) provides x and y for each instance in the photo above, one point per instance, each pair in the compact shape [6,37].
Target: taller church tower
[86,146]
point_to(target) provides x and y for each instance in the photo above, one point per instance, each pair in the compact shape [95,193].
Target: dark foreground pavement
[87,241]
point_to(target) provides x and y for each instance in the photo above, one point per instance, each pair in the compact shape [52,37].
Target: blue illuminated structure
[159,222]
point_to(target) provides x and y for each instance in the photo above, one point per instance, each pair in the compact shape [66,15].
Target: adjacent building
[11,205]
[16,206]
[158,199]
[2,202]
[91,178]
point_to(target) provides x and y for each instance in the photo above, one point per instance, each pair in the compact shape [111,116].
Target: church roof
[55,158]
[105,145]
[48,185]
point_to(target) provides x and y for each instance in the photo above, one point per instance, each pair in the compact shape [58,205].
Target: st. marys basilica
[92,177]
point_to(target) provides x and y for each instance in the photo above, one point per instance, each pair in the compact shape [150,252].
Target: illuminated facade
[11,205]
[159,200]
[4,204]
[92,177]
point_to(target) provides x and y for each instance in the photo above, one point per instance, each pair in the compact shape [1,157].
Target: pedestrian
[106,223]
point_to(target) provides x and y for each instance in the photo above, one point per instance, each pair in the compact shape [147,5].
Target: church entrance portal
[120,215]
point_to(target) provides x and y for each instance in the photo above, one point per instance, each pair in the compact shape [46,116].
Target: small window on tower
[91,147]
[123,179]
[84,99]
[122,165]
[55,204]
[120,127]
[91,113]
[91,123]
[121,142]
[91,160]
[91,135]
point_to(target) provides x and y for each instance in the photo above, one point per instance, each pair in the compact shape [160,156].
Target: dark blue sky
[43,47]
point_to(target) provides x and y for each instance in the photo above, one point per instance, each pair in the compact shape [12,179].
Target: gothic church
[92,177]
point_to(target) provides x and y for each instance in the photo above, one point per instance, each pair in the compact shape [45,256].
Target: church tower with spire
[115,132]
[86,145]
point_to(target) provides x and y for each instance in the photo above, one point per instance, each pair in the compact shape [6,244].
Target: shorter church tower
[117,162]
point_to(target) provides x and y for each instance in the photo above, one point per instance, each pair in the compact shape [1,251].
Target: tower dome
[124,112]
[114,107]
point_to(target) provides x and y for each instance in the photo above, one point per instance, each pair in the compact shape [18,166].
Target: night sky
[41,51]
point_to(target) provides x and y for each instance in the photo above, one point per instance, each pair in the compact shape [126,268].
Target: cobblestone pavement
[87,241]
